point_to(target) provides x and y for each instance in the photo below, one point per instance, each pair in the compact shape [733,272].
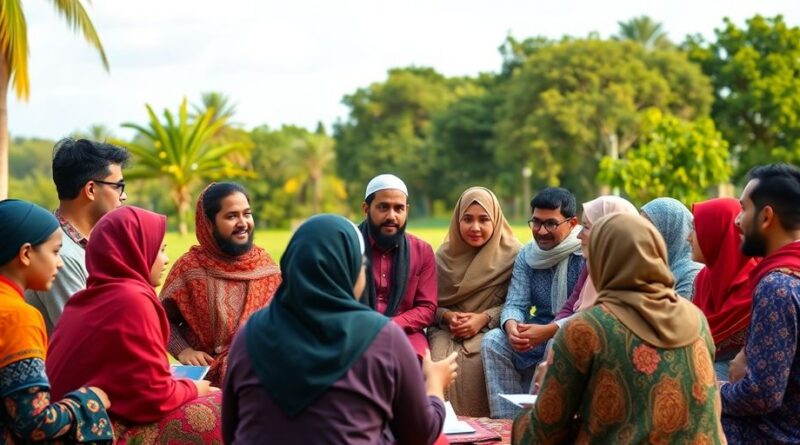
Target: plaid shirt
[71,231]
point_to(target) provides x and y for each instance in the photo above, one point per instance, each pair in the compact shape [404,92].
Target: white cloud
[291,62]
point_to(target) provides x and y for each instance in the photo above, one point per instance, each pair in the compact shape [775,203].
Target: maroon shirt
[418,309]
[380,400]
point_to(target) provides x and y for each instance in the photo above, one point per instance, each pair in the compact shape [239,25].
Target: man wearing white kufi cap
[402,266]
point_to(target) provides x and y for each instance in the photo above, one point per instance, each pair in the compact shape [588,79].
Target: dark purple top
[381,400]
[568,308]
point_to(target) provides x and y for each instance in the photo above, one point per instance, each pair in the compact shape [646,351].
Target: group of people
[657,325]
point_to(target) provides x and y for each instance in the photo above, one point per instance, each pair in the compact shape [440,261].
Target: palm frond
[14,45]
[78,20]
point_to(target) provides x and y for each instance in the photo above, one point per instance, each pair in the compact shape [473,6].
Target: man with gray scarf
[545,271]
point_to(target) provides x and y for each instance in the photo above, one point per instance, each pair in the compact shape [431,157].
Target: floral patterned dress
[606,386]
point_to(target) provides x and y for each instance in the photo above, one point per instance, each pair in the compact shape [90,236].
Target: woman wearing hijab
[723,290]
[29,260]
[317,366]
[593,211]
[474,269]
[114,334]
[637,366]
[674,221]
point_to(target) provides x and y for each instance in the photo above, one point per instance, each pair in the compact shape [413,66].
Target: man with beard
[402,267]
[763,406]
[89,182]
[545,271]
[213,289]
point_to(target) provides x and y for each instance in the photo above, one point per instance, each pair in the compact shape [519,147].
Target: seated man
[215,287]
[545,271]
[763,406]
[402,266]
[88,178]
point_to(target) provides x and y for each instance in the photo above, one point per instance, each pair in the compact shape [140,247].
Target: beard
[754,244]
[230,247]
[385,241]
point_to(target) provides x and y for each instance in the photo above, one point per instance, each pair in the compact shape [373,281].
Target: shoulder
[779,278]
[16,313]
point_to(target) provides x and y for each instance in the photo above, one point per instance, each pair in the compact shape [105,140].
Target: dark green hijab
[23,222]
[314,330]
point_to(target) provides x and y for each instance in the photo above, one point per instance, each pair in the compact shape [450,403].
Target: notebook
[451,423]
[189,371]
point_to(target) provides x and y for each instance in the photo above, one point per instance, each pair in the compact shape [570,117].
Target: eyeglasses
[117,185]
[549,225]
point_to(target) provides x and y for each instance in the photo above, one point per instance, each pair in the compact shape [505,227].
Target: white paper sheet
[451,423]
[521,400]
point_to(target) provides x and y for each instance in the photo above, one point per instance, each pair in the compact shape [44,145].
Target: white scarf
[545,259]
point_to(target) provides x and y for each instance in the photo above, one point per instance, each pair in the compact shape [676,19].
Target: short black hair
[76,162]
[778,187]
[212,199]
[556,198]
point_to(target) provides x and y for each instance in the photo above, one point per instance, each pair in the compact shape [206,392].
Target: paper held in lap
[189,371]
[451,423]
[521,400]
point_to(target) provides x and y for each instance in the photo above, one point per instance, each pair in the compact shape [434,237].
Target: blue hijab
[314,330]
[23,222]
[674,221]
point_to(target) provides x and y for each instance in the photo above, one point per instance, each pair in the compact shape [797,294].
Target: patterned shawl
[214,294]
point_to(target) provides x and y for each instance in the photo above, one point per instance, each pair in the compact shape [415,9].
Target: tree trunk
[181,197]
[4,170]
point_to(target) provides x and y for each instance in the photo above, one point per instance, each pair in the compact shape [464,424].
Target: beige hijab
[593,211]
[472,278]
[634,281]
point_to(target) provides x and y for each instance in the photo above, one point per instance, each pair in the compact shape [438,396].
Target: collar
[73,233]
[12,284]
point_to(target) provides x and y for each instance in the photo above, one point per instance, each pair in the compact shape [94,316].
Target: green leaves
[674,158]
[755,72]
[184,150]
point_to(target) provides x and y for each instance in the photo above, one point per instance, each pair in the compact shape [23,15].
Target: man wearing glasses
[88,178]
[545,271]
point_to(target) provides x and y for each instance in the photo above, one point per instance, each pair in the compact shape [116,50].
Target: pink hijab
[593,211]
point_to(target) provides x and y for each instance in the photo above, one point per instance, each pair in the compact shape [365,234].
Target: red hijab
[723,290]
[114,333]
[200,276]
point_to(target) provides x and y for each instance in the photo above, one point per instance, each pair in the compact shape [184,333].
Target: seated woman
[674,221]
[215,287]
[473,269]
[29,260]
[317,366]
[114,334]
[723,290]
[637,366]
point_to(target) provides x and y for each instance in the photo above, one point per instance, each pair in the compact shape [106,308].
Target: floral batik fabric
[607,386]
[197,422]
[28,414]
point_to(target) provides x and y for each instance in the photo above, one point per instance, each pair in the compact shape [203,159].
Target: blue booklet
[189,371]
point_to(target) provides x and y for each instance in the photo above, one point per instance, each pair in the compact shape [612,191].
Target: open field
[275,241]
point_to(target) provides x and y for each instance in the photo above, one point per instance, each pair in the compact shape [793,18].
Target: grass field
[275,241]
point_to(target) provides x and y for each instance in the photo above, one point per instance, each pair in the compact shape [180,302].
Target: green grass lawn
[275,241]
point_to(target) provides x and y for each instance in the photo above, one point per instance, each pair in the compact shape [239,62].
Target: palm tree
[309,170]
[223,108]
[14,60]
[644,30]
[183,150]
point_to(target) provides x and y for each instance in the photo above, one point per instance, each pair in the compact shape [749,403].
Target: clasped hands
[525,336]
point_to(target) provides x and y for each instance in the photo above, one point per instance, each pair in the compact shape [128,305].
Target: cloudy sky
[291,62]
